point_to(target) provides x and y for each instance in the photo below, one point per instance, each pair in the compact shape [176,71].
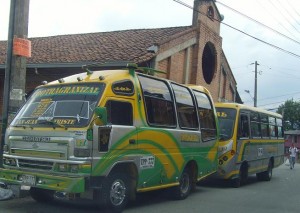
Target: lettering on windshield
[69,90]
[35,121]
[222,114]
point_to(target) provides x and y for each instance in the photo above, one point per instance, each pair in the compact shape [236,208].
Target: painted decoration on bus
[123,88]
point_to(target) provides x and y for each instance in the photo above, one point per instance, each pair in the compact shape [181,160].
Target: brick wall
[205,30]
[203,17]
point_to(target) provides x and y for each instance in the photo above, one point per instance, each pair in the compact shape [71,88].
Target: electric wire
[257,22]
[260,40]
[287,11]
[275,18]
[283,15]
[293,8]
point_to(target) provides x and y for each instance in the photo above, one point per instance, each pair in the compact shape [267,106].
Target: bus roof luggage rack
[149,71]
[114,65]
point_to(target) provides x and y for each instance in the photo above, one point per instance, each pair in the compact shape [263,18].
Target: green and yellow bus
[109,133]
[251,142]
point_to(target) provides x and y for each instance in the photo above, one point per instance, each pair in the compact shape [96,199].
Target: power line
[283,15]
[277,32]
[294,93]
[273,97]
[274,103]
[288,12]
[260,40]
[275,17]
[284,107]
[293,8]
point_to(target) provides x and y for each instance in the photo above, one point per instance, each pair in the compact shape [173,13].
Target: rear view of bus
[251,142]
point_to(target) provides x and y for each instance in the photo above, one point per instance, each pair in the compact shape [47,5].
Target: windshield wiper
[23,126]
[50,121]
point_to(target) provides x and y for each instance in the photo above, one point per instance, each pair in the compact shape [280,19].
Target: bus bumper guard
[45,181]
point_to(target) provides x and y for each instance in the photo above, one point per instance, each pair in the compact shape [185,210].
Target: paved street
[281,194]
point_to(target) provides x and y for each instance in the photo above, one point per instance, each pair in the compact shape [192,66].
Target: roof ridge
[105,32]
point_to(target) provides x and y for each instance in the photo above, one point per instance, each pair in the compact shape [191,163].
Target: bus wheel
[236,182]
[183,190]
[259,176]
[242,177]
[115,192]
[41,195]
[267,175]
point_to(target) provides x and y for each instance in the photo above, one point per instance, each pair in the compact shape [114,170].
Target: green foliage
[291,114]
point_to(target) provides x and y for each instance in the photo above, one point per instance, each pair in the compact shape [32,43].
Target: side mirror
[101,113]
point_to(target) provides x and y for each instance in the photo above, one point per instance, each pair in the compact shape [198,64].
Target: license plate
[28,180]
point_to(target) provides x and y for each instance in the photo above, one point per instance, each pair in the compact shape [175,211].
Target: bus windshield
[60,105]
[226,118]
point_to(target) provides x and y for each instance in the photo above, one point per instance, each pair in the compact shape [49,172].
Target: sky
[253,30]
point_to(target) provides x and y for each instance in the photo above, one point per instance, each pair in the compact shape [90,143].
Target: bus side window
[119,113]
[206,117]
[187,117]
[244,126]
[272,127]
[264,123]
[279,128]
[255,125]
[158,102]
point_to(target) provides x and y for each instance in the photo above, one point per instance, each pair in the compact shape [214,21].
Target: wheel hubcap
[185,182]
[117,192]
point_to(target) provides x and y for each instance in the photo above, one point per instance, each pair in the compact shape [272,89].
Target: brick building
[189,54]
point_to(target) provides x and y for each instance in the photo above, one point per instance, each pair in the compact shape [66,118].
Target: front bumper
[45,181]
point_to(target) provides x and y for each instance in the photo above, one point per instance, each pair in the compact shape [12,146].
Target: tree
[291,114]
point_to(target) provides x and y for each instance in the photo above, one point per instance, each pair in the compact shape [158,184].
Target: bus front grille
[34,164]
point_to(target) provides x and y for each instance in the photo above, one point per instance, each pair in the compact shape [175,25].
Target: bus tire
[259,176]
[115,192]
[41,195]
[267,175]
[242,176]
[236,182]
[183,190]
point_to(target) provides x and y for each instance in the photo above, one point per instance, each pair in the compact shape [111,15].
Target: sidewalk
[6,194]
[13,191]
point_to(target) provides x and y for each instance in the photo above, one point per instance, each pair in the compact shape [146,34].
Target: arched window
[210,12]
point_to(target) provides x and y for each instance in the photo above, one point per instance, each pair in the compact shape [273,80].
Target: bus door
[243,140]
[118,138]
[256,137]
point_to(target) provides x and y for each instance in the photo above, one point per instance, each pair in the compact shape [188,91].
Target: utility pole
[15,70]
[255,84]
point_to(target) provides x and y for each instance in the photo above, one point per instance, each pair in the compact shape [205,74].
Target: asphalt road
[281,194]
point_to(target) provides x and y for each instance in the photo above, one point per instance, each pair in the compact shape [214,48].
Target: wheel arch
[193,168]
[130,169]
